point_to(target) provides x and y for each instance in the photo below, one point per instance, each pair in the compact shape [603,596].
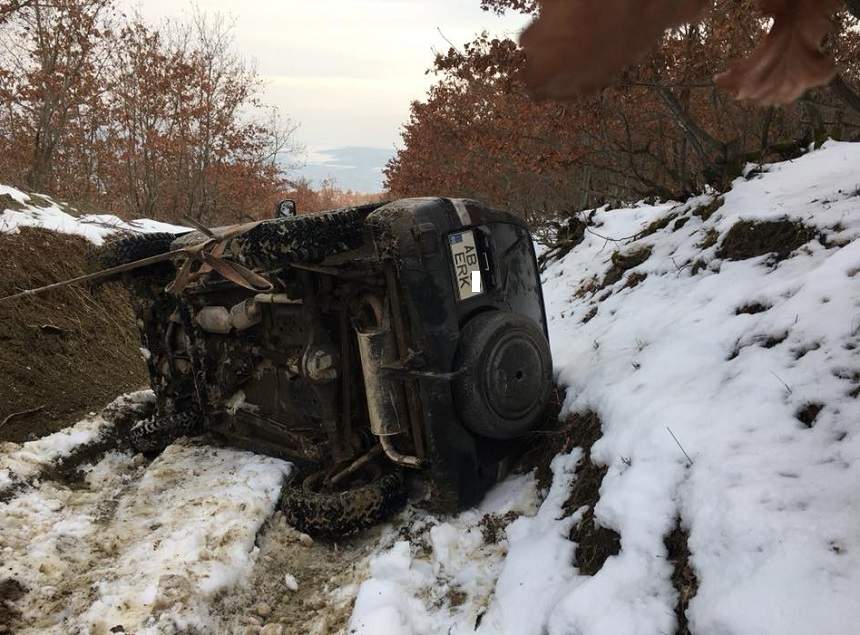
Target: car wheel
[374,494]
[152,435]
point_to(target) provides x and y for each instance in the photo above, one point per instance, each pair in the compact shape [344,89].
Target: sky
[344,70]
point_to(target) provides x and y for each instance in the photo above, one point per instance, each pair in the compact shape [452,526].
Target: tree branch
[844,91]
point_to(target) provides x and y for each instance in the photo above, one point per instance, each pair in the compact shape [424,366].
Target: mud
[69,576]
[763,340]
[493,526]
[623,261]
[592,313]
[684,578]
[698,266]
[710,239]
[546,441]
[706,211]
[659,224]
[679,224]
[594,542]
[752,308]
[327,575]
[808,414]
[634,280]
[10,592]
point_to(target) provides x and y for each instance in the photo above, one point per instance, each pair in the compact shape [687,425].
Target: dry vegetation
[662,129]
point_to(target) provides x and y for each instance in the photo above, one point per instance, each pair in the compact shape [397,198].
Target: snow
[53,216]
[146,547]
[539,564]
[409,585]
[771,504]
[27,459]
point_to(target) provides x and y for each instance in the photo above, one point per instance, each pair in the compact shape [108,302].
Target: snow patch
[93,227]
[442,579]
[770,502]
[26,460]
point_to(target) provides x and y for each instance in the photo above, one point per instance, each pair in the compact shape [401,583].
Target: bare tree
[57,52]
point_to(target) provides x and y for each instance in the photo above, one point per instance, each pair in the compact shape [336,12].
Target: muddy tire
[152,435]
[309,238]
[130,248]
[123,412]
[335,514]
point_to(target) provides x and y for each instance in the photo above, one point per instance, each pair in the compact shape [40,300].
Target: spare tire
[505,377]
[311,508]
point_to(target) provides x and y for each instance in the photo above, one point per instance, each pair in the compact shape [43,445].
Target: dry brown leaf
[576,46]
[789,61]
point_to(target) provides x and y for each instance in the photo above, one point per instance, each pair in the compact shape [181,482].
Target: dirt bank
[64,352]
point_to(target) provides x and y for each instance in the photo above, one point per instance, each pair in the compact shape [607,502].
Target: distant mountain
[354,168]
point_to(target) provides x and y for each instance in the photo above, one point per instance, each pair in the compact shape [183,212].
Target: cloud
[345,70]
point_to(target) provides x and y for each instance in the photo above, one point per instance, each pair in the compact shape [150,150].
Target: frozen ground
[144,547]
[727,394]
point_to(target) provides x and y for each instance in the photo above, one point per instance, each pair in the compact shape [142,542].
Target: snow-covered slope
[752,364]
[23,210]
[730,359]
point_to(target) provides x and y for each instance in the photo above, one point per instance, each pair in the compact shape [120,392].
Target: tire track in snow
[58,456]
[140,547]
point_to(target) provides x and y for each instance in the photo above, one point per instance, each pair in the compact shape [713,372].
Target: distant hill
[355,168]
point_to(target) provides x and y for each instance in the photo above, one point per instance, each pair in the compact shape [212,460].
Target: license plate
[464,255]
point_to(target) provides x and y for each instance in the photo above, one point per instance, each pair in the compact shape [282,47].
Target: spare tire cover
[506,374]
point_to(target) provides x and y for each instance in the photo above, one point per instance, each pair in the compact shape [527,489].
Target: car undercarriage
[370,346]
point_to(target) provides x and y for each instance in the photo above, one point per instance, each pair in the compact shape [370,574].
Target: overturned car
[375,347]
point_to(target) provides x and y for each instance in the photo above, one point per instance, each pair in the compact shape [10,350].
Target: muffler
[386,403]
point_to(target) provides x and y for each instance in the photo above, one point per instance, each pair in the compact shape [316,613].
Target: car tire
[309,508]
[309,238]
[505,374]
[152,435]
[131,248]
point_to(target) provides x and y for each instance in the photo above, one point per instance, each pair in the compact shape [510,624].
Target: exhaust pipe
[386,403]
